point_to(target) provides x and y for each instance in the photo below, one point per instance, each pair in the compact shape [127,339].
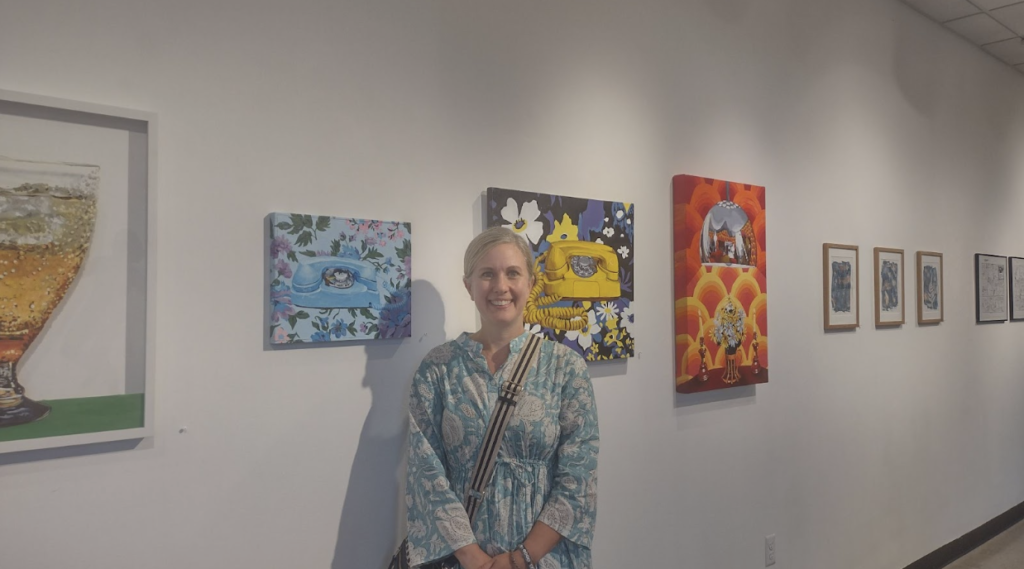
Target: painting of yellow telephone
[583,264]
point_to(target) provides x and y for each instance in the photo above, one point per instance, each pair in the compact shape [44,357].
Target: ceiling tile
[1011,17]
[980,29]
[945,10]
[993,4]
[1010,51]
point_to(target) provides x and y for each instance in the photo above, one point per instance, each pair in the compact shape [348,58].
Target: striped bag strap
[484,469]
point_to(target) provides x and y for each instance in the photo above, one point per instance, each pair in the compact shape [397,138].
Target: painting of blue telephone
[338,279]
[337,282]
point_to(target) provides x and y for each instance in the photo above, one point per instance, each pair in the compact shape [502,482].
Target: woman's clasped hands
[473,557]
[504,561]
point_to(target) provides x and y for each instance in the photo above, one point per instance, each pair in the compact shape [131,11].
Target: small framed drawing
[890,309]
[839,278]
[1016,288]
[990,283]
[930,304]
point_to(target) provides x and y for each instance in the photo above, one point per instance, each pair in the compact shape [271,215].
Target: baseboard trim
[963,545]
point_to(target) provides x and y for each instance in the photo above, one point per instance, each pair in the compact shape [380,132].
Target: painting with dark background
[584,250]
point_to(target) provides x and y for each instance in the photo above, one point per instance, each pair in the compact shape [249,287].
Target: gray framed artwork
[990,288]
[1016,288]
[930,301]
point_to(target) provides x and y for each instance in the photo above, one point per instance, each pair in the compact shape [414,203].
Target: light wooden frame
[922,318]
[830,323]
[879,321]
[140,128]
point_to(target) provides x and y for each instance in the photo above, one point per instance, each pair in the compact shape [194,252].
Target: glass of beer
[47,216]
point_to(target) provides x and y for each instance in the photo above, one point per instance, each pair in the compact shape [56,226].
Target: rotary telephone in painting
[337,282]
[571,270]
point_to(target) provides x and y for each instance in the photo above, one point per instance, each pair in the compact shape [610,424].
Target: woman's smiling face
[499,285]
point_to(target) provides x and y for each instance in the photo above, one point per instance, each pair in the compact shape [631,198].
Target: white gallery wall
[868,124]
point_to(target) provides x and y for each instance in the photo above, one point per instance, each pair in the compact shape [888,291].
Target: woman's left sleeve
[571,509]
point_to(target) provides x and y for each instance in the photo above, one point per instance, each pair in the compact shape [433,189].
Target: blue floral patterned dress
[546,468]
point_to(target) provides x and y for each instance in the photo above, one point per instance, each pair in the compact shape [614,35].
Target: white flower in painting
[608,231]
[608,311]
[599,241]
[585,337]
[525,221]
[533,329]
[626,320]
[624,251]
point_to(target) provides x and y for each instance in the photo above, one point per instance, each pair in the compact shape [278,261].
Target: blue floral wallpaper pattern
[335,279]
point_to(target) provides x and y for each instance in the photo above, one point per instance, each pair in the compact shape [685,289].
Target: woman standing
[540,507]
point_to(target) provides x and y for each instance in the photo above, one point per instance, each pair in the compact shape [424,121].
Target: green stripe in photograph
[82,415]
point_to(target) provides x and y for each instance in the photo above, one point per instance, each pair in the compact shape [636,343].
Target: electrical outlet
[769,550]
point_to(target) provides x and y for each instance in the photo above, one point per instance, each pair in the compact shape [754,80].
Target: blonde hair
[490,238]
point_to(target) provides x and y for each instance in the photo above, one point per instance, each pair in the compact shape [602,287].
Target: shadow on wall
[368,530]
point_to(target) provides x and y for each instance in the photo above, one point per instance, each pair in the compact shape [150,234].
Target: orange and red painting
[721,284]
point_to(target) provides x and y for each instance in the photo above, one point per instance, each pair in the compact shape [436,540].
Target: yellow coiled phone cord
[538,310]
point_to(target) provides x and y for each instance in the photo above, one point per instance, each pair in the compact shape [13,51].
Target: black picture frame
[1016,266]
[991,281]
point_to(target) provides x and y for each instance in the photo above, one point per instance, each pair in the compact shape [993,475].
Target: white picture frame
[116,360]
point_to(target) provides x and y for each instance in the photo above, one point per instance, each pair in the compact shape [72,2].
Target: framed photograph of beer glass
[890,310]
[930,303]
[1016,288]
[841,269]
[77,259]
